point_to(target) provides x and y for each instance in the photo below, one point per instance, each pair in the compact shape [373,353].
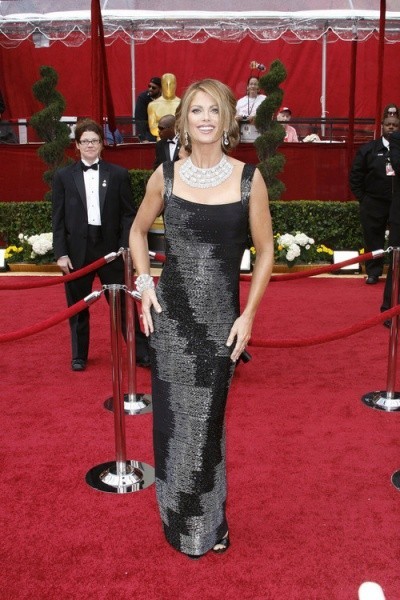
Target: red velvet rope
[50,322]
[158,257]
[56,280]
[318,270]
[330,337]
[284,343]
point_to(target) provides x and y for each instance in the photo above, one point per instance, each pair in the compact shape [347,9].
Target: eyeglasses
[87,142]
[152,87]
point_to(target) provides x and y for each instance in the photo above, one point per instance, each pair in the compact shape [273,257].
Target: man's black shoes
[78,364]
[372,279]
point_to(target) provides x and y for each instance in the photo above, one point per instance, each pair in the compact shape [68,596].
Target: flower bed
[297,247]
[31,250]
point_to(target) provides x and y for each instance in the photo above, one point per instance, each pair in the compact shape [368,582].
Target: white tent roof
[140,20]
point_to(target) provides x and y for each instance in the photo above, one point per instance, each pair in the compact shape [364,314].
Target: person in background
[167,148]
[394,216]
[7,135]
[92,212]
[166,104]
[246,108]
[112,139]
[391,110]
[284,115]
[143,100]
[372,183]
[197,331]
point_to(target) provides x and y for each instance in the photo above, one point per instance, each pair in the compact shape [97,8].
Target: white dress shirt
[91,178]
[172,146]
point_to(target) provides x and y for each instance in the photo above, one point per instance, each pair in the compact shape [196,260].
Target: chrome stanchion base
[105,477]
[396,479]
[134,404]
[382,400]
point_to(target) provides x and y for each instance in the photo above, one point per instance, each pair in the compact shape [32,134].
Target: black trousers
[394,240]
[374,216]
[76,290]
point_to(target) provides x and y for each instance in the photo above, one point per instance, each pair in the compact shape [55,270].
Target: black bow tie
[95,166]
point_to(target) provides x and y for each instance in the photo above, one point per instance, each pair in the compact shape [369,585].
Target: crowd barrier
[122,475]
[313,271]
[126,476]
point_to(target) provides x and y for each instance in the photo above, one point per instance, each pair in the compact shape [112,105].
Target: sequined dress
[191,370]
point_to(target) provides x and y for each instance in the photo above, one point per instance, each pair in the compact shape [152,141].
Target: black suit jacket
[394,145]
[162,153]
[69,214]
[368,177]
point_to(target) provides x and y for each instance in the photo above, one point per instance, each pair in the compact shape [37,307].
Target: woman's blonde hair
[226,103]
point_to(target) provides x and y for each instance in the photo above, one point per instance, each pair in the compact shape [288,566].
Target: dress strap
[245,186]
[168,171]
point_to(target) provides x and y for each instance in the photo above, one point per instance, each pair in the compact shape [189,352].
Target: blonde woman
[197,332]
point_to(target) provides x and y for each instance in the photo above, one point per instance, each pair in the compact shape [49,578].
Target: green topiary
[272,132]
[139,179]
[48,126]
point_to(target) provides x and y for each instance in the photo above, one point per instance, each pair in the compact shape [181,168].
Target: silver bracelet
[144,282]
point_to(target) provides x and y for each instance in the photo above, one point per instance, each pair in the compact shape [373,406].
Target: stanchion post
[134,403]
[393,340]
[394,330]
[121,476]
[116,354]
[130,324]
[389,399]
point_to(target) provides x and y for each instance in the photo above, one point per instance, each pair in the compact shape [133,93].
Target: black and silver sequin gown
[191,370]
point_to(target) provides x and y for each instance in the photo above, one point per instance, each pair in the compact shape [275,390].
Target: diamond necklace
[204,178]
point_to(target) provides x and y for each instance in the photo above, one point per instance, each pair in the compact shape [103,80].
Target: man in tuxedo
[93,210]
[167,148]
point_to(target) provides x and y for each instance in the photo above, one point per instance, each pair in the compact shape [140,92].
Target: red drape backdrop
[312,171]
[228,61]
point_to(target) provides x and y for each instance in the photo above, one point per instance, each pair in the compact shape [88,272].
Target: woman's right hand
[149,299]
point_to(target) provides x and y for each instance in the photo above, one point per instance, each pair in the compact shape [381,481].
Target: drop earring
[225,138]
[186,136]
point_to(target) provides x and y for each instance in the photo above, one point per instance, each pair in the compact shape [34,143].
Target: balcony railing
[19,131]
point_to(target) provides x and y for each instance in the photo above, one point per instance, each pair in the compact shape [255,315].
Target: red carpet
[312,510]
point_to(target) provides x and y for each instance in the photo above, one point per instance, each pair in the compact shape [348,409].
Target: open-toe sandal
[222,545]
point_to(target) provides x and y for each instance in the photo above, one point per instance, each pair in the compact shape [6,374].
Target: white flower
[302,239]
[293,252]
[41,244]
[285,240]
[20,236]
[294,246]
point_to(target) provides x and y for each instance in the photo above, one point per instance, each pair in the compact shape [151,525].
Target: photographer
[246,109]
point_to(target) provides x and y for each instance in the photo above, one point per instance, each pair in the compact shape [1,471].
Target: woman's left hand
[241,332]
